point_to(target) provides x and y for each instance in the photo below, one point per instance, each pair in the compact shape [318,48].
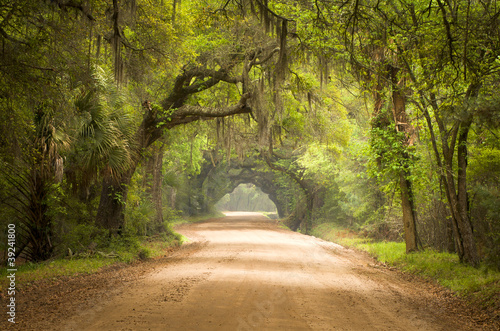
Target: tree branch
[183,88]
[189,113]
[8,37]
[272,12]
[254,62]
[448,29]
[73,4]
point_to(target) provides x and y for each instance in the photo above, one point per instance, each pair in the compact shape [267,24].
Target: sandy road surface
[244,273]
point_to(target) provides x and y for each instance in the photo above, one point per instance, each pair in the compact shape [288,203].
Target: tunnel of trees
[247,197]
[117,116]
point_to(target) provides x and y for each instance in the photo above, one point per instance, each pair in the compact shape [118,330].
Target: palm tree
[31,180]
[103,132]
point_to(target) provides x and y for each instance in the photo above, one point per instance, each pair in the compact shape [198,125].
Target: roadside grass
[481,285]
[29,273]
[126,249]
[274,216]
[271,215]
[122,250]
[282,225]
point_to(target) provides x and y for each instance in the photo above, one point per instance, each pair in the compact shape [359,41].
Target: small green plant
[84,238]
[144,253]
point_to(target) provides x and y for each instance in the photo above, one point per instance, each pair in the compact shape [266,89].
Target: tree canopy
[380,116]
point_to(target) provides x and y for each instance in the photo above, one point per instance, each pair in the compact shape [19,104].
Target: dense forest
[119,116]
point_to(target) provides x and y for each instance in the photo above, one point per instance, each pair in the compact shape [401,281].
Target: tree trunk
[172,197]
[201,200]
[457,195]
[469,246]
[279,206]
[38,230]
[407,205]
[407,196]
[451,228]
[154,180]
[306,224]
[110,214]
[157,188]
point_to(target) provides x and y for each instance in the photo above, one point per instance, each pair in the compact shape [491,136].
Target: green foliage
[170,236]
[185,151]
[319,162]
[126,247]
[144,253]
[139,218]
[140,211]
[171,216]
[70,107]
[389,155]
[484,164]
[104,127]
[83,238]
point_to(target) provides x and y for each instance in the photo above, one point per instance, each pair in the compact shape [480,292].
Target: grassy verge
[271,215]
[482,285]
[122,250]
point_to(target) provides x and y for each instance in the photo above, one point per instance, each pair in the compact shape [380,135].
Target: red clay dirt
[243,272]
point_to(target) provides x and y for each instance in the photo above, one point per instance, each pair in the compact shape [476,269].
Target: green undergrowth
[282,225]
[98,253]
[119,250]
[482,285]
[271,215]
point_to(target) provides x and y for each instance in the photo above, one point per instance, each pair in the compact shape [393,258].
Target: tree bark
[154,180]
[310,190]
[469,246]
[407,196]
[110,214]
[157,188]
[457,197]
[408,213]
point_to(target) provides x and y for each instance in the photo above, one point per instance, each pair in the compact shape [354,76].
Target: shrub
[144,253]
[84,237]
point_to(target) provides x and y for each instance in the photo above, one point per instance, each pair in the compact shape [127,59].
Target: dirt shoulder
[244,273]
[47,304]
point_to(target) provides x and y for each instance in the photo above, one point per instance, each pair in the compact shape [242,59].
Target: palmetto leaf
[105,127]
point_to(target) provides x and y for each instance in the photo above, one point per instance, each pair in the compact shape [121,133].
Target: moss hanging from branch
[282,61]
[117,44]
[323,69]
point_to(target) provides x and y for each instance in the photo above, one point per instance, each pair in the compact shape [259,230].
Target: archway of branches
[225,179]
[246,197]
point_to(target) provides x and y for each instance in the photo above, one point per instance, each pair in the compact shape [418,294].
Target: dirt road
[242,272]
